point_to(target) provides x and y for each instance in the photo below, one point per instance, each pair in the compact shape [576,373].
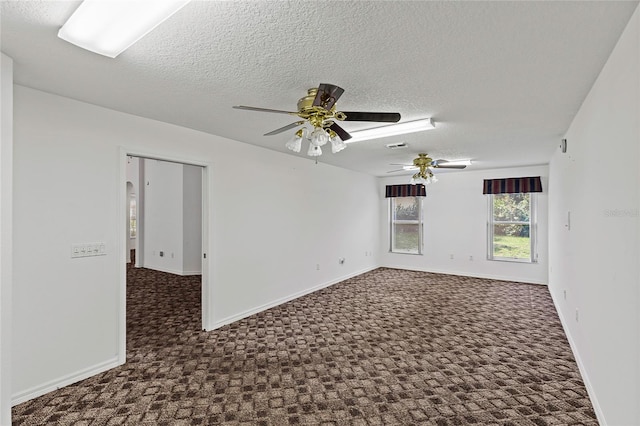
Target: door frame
[207,284]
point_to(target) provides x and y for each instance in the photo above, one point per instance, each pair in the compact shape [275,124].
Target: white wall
[596,261]
[163,216]
[6,232]
[455,223]
[172,217]
[264,241]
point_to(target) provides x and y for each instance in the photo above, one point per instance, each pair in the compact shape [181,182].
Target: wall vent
[398,145]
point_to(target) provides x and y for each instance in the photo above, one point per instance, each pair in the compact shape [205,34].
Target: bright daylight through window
[133,222]
[512,227]
[406,225]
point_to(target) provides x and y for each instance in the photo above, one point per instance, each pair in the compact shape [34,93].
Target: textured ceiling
[502,80]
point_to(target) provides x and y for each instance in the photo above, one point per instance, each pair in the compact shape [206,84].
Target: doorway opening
[164,275]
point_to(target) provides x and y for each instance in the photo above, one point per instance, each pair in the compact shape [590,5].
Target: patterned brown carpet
[389,347]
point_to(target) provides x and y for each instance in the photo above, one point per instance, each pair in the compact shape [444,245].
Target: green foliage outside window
[511,208]
[511,227]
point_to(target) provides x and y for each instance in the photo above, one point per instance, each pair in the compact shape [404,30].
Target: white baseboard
[467,274]
[61,382]
[172,271]
[253,311]
[583,371]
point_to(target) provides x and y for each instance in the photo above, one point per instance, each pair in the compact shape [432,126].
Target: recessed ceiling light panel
[110,27]
[392,130]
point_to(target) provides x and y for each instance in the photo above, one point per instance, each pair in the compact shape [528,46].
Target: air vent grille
[398,145]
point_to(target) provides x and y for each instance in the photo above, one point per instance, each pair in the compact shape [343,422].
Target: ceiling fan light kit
[424,164]
[111,27]
[423,179]
[318,110]
[295,144]
[337,144]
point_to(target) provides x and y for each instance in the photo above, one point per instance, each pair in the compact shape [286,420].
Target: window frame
[393,221]
[533,229]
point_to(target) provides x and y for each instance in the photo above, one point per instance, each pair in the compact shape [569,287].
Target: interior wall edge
[231,319]
[471,275]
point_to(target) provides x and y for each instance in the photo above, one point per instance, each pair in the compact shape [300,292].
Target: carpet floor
[389,347]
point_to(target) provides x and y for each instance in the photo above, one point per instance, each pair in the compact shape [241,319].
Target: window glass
[511,222]
[406,225]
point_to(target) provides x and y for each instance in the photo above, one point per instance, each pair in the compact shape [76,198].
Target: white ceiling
[502,80]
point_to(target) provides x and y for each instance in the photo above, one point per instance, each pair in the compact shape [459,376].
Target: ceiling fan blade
[396,171]
[386,117]
[401,164]
[285,128]
[250,108]
[342,133]
[327,96]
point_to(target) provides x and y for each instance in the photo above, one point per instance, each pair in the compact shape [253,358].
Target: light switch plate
[88,249]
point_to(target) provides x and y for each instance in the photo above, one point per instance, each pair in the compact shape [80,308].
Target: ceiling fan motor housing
[317,115]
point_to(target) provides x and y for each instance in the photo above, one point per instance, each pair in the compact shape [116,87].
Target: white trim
[67,380]
[258,309]
[6,235]
[207,282]
[583,371]
[171,157]
[123,254]
[207,250]
[173,271]
[469,274]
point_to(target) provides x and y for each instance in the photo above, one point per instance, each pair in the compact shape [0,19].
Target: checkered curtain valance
[405,191]
[512,185]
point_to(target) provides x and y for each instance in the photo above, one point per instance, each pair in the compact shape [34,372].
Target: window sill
[513,260]
[405,252]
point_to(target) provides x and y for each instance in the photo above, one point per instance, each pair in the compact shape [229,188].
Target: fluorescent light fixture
[392,130]
[458,163]
[110,27]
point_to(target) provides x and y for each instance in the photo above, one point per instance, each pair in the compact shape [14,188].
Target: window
[512,226]
[406,224]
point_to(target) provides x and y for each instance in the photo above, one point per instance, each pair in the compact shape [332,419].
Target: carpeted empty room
[389,347]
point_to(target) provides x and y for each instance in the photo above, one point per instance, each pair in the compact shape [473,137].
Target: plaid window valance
[512,185]
[406,191]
